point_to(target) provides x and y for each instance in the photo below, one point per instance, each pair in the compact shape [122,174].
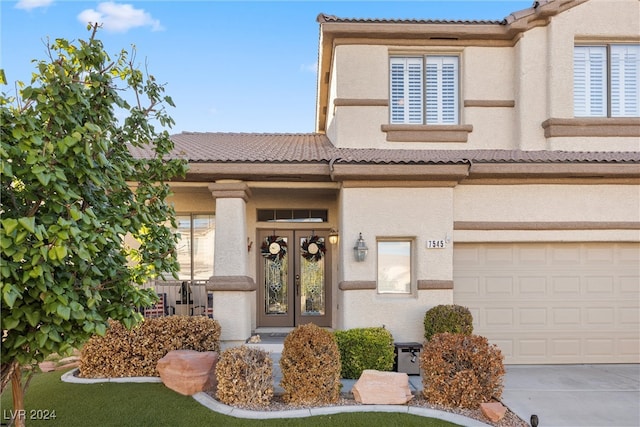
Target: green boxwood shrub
[452,318]
[365,348]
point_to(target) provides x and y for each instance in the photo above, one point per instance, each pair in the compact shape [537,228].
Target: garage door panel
[600,316]
[566,287]
[553,303]
[600,285]
[499,317]
[599,347]
[499,287]
[533,317]
[499,254]
[600,255]
[628,316]
[568,255]
[628,255]
[629,286]
[628,347]
[532,286]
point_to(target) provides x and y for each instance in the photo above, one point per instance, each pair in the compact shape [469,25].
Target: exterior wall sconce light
[333,236]
[360,249]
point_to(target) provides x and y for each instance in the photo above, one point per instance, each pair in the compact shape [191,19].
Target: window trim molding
[427,133]
[592,126]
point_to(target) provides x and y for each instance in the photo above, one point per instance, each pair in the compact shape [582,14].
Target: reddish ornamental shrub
[461,370]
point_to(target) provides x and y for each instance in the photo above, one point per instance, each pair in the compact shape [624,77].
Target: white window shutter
[625,80]
[442,89]
[590,81]
[406,90]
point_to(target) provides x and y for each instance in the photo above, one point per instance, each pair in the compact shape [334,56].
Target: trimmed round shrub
[245,377]
[452,318]
[461,370]
[365,348]
[310,364]
[135,352]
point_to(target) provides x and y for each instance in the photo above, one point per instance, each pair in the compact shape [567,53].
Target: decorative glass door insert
[311,276]
[276,278]
[293,268]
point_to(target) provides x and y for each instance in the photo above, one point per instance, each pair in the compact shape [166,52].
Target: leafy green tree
[72,192]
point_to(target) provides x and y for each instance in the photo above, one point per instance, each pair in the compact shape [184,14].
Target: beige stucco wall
[562,203]
[536,72]
[615,21]
[195,199]
[597,204]
[402,316]
[417,213]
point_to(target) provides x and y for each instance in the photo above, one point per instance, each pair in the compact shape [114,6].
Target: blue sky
[230,66]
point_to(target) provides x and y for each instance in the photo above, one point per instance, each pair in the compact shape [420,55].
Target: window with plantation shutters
[424,90]
[606,81]
[625,80]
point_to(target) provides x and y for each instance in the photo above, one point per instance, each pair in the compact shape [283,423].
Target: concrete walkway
[574,395]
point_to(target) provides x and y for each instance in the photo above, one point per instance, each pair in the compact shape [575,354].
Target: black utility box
[408,357]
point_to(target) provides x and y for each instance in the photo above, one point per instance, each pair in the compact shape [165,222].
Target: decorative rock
[188,371]
[382,388]
[495,411]
[47,366]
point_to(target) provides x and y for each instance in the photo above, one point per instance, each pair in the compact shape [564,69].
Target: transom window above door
[292,215]
[424,90]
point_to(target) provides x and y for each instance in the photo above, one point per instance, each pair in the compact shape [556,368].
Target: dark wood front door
[294,269]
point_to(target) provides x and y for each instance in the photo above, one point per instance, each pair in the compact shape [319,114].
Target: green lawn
[152,404]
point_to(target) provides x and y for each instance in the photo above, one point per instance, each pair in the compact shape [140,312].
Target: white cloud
[119,18]
[32,4]
[313,68]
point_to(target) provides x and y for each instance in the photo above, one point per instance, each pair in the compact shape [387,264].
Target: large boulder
[188,371]
[494,411]
[382,388]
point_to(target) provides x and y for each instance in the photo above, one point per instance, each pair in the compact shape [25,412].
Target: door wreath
[313,248]
[274,248]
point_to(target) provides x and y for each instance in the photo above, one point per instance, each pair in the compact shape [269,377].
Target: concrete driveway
[574,395]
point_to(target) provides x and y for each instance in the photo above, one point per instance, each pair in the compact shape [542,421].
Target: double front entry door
[293,278]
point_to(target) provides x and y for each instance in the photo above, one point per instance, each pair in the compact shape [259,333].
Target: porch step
[271,340]
[271,348]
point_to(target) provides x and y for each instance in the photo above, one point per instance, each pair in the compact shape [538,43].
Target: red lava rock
[495,411]
[47,366]
[380,388]
[188,371]
[67,366]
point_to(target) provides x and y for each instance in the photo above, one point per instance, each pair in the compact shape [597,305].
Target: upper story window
[424,90]
[606,80]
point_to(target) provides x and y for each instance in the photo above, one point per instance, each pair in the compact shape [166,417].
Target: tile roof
[332,18]
[317,148]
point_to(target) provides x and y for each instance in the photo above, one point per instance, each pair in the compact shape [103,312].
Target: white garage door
[553,302]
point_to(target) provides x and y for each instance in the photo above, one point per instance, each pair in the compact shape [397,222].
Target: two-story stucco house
[492,164]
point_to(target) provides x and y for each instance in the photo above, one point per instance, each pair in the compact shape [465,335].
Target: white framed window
[606,80]
[424,90]
[394,266]
[195,248]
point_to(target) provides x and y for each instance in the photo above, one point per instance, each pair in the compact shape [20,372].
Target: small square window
[394,266]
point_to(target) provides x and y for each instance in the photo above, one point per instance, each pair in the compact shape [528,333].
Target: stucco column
[234,291]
